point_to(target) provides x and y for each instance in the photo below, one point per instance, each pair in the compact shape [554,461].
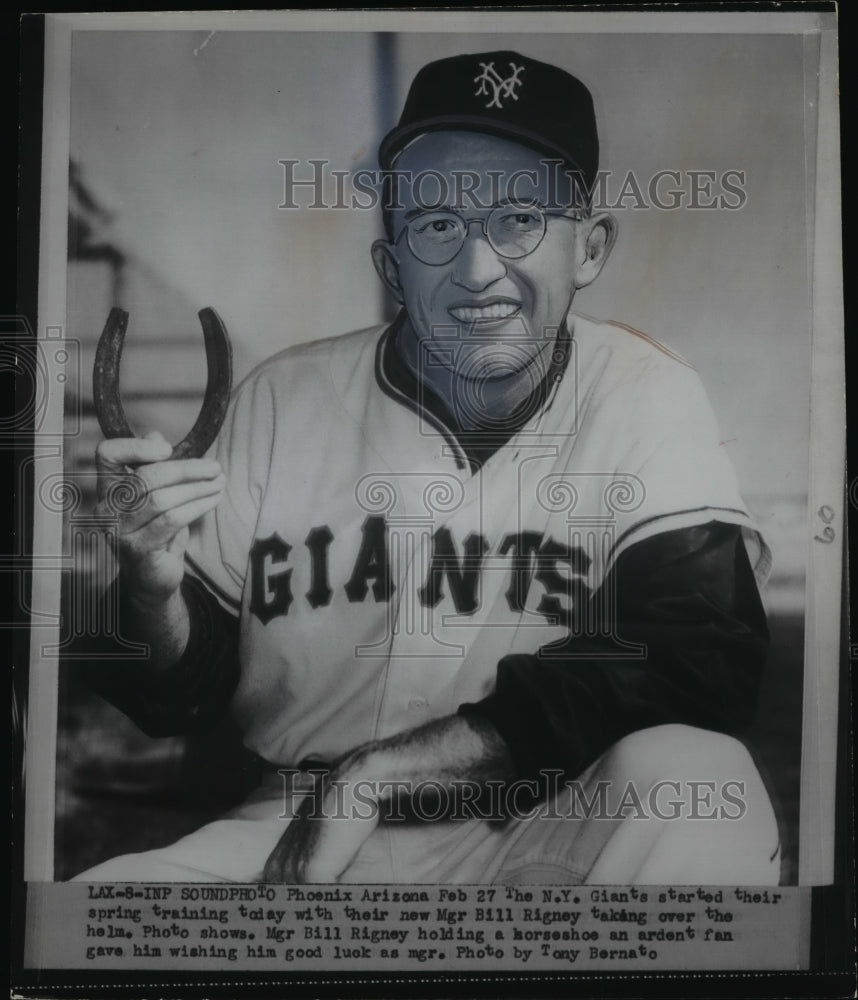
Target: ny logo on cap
[500,87]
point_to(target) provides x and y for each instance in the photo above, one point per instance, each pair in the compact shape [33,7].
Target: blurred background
[174,193]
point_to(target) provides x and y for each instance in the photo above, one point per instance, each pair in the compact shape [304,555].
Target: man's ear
[600,235]
[384,258]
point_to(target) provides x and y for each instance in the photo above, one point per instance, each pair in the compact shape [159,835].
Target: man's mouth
[484,312]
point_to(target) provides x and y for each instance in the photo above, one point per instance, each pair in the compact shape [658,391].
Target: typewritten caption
[467,928]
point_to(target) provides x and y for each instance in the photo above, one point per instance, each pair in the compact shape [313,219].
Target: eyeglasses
[512,231]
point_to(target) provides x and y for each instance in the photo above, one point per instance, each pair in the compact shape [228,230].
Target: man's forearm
[446,750]
[688,597]
[191,669]
[164,628]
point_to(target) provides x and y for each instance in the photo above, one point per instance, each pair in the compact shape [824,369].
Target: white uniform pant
[671,805]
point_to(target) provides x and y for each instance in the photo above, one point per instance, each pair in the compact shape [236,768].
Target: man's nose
[477,265]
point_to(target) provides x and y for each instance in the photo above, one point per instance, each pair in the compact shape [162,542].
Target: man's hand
[334,821]
[330,825]
[155,500]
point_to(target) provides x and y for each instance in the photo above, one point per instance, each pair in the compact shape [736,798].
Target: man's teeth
[498,310]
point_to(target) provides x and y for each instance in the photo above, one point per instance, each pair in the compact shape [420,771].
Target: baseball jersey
[379,578]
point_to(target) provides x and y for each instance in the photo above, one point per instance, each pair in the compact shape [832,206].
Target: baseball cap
[506,94]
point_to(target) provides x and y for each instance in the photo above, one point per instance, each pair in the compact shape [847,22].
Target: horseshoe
[105,383]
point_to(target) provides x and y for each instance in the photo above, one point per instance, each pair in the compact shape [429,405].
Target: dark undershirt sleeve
[690,597]
[189,696]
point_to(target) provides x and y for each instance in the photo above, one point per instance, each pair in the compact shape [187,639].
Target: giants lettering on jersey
[559,568]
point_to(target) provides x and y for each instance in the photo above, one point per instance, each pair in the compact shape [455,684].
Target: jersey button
[417,704]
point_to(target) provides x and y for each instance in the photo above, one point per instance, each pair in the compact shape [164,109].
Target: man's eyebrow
[413,213]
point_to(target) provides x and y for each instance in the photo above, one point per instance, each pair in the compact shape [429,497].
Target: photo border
[826,474]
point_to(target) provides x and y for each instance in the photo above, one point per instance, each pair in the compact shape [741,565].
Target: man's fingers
[145,503]
[154,436]
[183,470]
[319,849]
[160,531]
[165,505]
[164,500]
[280,866]
[179,541]
[113,454]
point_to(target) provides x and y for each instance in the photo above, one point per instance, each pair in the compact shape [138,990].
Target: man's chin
[497,359]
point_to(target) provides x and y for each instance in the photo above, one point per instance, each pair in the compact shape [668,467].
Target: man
[490,546]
